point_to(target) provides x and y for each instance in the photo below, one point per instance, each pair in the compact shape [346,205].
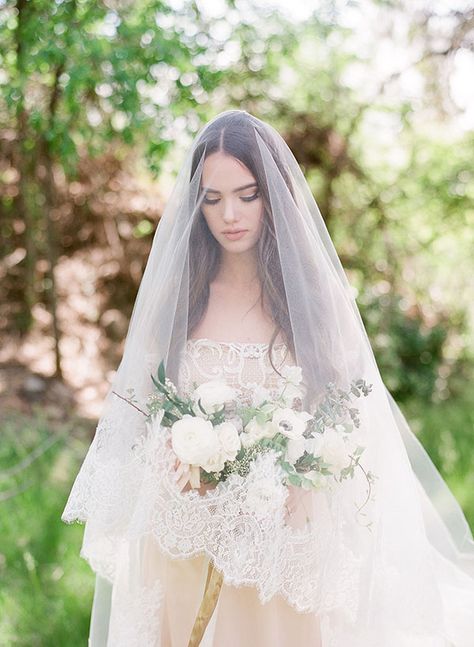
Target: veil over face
[412,573]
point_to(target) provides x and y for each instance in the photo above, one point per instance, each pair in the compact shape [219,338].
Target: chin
[236,248]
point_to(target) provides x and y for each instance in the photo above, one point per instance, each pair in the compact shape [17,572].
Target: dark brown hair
[233,133]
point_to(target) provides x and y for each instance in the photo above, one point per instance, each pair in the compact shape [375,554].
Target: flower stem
[131,403]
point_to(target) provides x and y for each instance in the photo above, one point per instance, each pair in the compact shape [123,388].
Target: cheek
[207,215]
[257,214]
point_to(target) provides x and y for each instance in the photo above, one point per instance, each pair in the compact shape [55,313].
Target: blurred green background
[98,101]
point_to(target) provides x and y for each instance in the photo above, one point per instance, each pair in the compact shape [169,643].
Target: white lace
[242,365]
[135,616]
[243,525]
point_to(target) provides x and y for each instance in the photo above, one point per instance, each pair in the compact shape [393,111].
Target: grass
[46,588]
[446,431]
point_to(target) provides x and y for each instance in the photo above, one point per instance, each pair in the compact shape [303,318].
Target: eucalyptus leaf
[161,372]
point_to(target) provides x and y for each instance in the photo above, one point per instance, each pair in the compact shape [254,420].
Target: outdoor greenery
[98,101]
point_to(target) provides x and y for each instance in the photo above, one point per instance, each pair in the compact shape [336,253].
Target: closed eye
[249,198]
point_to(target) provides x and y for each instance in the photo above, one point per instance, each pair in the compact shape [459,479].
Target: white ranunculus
[213,395]
[194,440]
[295,449]
[229,440]
[254,431]
[289,423]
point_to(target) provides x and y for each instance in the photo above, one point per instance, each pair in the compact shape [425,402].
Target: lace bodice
[242,365]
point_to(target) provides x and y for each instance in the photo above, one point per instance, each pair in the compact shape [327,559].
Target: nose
[229,211]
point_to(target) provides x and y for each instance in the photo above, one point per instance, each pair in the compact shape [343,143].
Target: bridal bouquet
[213,437]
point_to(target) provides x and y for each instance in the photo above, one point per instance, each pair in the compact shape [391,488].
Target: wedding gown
[170,590]
[161,575]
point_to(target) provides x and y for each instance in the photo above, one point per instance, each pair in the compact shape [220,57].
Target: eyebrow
[240,188]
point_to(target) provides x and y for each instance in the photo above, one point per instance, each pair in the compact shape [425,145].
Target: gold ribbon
[208,604]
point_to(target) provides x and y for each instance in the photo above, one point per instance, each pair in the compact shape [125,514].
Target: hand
[183,475]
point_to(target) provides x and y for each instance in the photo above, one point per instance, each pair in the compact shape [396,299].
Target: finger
[182,481]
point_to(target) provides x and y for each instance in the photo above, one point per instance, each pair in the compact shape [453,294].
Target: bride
[315,517]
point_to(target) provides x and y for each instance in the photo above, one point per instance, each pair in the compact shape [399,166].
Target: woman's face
[231,202]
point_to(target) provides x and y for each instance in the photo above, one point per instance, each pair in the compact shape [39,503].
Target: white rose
[215,462]
[289,423]
[295,448]
[213,395]
[254,432]
[229,440]
[194,440]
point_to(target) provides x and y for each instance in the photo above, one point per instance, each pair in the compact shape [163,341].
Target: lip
[235,235]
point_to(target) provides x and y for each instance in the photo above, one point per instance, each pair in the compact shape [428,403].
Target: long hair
[234,134]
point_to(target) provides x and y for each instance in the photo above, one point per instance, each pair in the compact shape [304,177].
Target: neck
[238,270]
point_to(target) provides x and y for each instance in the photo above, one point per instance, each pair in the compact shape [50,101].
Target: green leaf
[325,471]
[261,418]
[294,479]
[161,372]
[201,407]
[288,467]
[160,387]
[170,418]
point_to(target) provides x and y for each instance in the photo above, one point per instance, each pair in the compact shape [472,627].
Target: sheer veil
[416,564]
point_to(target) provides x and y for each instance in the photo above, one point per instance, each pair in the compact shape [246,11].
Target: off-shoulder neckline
[260,344]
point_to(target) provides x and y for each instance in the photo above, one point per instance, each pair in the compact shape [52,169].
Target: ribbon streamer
[208,604]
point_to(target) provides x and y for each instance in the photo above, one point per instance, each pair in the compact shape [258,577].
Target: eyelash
[245,199]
